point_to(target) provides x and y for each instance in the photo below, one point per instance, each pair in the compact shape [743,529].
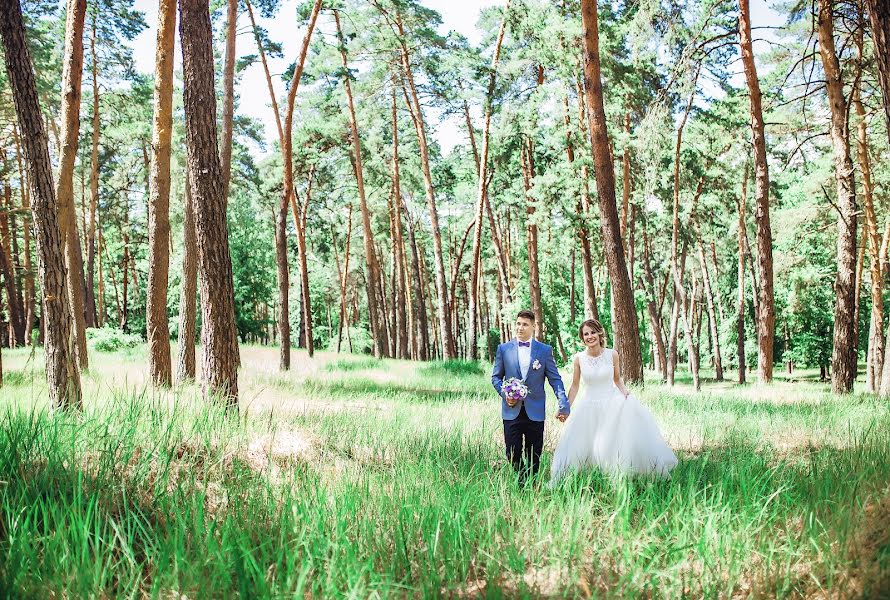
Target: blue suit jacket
[506,365]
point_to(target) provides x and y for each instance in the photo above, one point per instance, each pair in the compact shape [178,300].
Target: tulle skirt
[615,434]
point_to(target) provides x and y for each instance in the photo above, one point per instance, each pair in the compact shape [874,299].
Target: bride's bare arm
[576,379]
[619,383]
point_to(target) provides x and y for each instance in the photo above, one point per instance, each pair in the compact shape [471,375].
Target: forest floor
[353,477]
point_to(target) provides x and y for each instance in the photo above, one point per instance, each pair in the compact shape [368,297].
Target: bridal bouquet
[514,390]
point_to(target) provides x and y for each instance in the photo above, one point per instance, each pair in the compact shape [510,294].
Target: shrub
[109,339]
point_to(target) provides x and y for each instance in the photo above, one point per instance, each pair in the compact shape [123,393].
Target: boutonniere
[536,365]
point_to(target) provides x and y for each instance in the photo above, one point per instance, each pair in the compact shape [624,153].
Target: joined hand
[561,417]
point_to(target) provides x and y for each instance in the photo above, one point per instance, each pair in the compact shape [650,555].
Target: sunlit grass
[400,490]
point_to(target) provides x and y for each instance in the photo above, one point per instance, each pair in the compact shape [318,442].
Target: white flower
[536,365]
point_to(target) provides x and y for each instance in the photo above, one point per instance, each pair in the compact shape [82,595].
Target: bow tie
[525,344]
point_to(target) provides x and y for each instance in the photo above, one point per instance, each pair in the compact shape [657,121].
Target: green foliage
[109,339]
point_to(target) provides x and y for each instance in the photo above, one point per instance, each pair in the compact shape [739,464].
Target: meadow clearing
[355,477]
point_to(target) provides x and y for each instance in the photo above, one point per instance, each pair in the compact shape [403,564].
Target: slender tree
[378,328]
[157,323]
[70,118]
[879,12]
[62,373]
[228,109]
[220,355]
[766,316]
[413,101]
[843,359]
[740,305]
[627,333]
[482,188]
[185,362]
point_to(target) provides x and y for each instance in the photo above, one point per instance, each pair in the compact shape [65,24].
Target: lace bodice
[597,372]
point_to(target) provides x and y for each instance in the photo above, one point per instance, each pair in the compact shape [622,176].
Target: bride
[608,427]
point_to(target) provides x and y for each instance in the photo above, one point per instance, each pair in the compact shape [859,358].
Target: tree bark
[531,227]
[653,307]
[740,305]
[445,332]
[399,262]
[63,377]
[228,108]
[343,275]
[29,300]
[421,322]
[482,187]
[766,316]
[875,354]
[711,309]
[627,334]
[157,323]
[843,360]
[591,310]
[378,331]
[185,362]
[879,11]
[7,267]
[64,191]
[220,355]
[94,182]
[70,118]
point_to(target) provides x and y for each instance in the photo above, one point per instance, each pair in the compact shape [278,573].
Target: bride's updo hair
[596,327]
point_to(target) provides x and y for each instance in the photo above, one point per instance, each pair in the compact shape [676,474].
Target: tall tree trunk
[843,359]
[185,362]
[879,11]
[672,340]
[220,355]
[766,315]
[228,109]
[625,191]
[283,277]
[713,325]
[875,353]
[378,331]
[740,306]
[303,249]
[30,294]
[534,275]
[94,180]
[70,118]
[419,295]
[448,349]
[125,238]
[63,377]
[582,209]
[627,334]
[482,188]
[7,266]
[398,243]
[653,308]
[159,200]
[343,275]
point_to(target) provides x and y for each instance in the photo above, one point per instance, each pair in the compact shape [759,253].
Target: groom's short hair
[526,314]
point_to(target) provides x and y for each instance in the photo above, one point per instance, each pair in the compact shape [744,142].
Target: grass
[387,480]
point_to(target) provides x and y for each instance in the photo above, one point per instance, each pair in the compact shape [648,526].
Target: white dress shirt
[525,357]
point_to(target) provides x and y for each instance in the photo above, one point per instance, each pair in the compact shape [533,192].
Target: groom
[529,361]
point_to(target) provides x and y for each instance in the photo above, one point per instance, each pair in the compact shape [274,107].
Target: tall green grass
[408,496]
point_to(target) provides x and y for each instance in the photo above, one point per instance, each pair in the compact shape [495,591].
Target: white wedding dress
[607,431]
